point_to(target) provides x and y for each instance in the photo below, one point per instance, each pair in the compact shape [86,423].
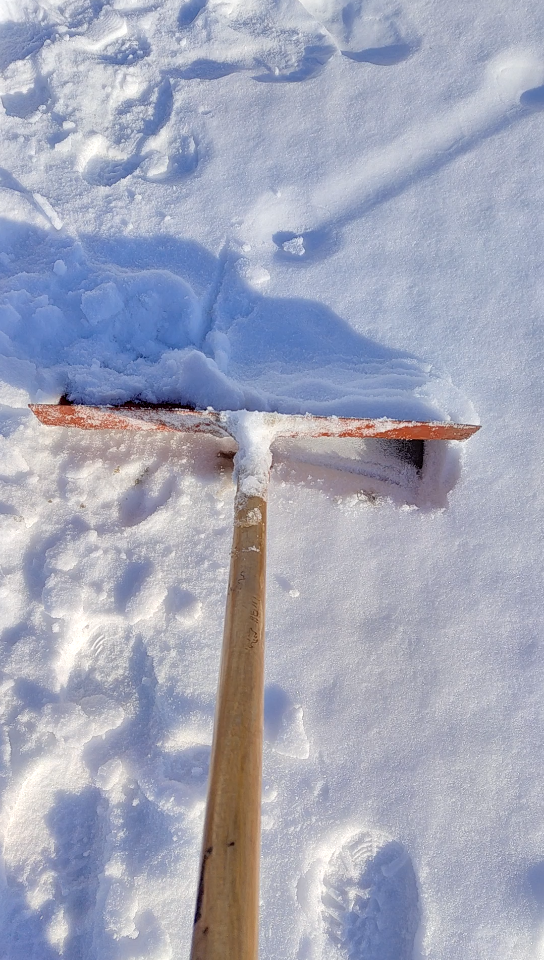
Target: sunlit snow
[304,207]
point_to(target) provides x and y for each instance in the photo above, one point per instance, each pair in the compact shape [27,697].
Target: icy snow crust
[326,207]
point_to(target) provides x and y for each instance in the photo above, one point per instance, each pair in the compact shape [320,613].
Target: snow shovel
[227,903]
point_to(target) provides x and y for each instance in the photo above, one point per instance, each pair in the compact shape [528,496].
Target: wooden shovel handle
[227,909]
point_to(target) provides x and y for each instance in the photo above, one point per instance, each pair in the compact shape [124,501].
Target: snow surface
[319,207]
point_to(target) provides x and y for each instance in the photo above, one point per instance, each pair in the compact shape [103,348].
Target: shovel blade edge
[186,420]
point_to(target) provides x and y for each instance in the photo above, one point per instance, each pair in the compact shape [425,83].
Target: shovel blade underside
[186,420]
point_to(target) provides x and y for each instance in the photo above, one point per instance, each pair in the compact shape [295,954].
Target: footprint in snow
[178,161]
[107,171]
[20,39]
[189,11]
[370,33]
[374,33]
[533,99]
[135,832]
[108,27]
[25,90]
[54,843]
[126,51]
[76,830]
[369,901]
[305,66]
[291,50]
[144,145]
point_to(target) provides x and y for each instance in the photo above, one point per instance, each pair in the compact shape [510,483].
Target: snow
[295,207]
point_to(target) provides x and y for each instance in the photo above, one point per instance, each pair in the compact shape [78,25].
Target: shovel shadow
[164,320]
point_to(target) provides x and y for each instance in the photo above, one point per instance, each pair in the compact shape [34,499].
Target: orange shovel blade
[185,420]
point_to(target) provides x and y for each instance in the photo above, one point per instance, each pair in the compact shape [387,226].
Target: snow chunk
[58,929]
[50,328]
[295,246]
[17,381]
[102,303]
[109,774]
[51,215]
[9,319]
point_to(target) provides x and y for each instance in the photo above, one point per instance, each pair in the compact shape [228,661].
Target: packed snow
[319,207]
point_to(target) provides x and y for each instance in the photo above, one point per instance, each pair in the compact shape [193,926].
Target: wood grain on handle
[227,909]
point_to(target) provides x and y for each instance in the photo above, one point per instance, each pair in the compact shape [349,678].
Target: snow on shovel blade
[129,417]
[183,419]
